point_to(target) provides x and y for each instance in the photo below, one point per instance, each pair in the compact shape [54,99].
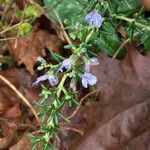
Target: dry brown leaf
[13,112]
[15,117]
[140,142]
[146,4]
[27,49]
[121,117]
[20,4]
[23,144]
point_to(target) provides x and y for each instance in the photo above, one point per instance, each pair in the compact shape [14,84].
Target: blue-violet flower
[52,79]
[92,61]
[88,79]
[66,65]
[94,19]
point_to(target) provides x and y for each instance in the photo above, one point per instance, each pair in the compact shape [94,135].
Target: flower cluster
[87,77]
[77,67]
[69,68]
[66,65]
[93,19]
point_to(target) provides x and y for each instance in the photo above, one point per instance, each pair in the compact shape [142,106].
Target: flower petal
[87,67]
[92,80]
[84,82]
[66,64]
[94,61]
[88,79]
[41,78]
[53,80]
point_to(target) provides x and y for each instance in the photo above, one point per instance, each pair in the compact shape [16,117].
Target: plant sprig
[94,28]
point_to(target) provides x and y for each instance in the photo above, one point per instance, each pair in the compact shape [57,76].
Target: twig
[21,96]
[81,101]
[62,26]
[9,38]
[122,45]
[45,13]
[63,128]
[120,48]
[73,129]
[53,7]
[39,7]
[12,27]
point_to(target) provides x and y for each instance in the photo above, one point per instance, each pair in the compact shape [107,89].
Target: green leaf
[57,57]
[25,29]
[67,9]
[68,46]
[40,67]
[32,12]
[124,6]
[108,41]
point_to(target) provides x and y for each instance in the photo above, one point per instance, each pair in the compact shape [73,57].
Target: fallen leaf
[26,49]
[146,4]
[140,142]
[13,112]
[23,144]
[121,116]
[20,4]
[15,117]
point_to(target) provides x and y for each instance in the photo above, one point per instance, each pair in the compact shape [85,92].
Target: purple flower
[88,79]
[94,19]
[39,79]
[52,79]
[66,65]
[92,61]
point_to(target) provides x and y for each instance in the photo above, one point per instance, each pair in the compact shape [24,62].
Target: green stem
[131,20]
[60,88]
[122,45]
[61,84]
[88,38]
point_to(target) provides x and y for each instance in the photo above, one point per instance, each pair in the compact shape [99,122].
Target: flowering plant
[97,31]
[69,67]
